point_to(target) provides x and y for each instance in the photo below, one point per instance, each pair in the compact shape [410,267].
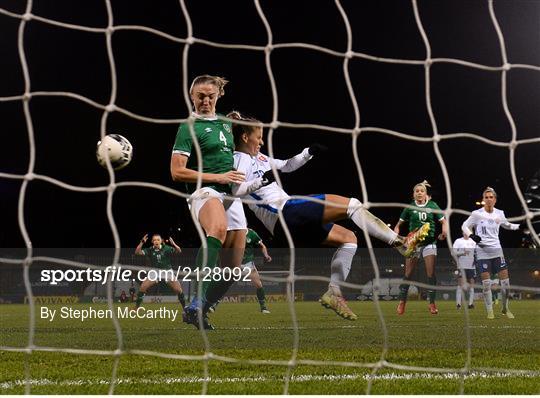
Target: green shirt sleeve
[405,214]
[439,216]
[183,142]
[256,239]
[145,251]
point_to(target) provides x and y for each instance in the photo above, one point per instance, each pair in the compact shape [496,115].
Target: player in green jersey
[253,241]
[222,220]
[416,217]
[160,258]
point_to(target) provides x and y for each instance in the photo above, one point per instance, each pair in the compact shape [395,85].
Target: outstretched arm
[177,248]
[508,225]
[293,163]
[138,249]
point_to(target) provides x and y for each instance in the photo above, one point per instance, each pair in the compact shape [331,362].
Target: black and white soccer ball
[117,148]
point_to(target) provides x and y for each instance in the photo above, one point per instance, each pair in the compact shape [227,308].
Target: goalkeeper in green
[160,258]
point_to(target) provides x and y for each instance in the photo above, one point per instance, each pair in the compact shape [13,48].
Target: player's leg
[235,242]
[256,281]
[351,208]
[231,256]
[213,221]
[208,209]
[177,288]
[495,287]
[505,289]
[145,285]
[459,288]
[471,276]
[486,287]
[346,243]
[430,259]
[410,266]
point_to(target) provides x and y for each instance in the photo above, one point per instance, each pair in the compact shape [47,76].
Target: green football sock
[182,299]
[214,246]
[261,296]
[140,296]
[432,280]
[403,290]
[216,290]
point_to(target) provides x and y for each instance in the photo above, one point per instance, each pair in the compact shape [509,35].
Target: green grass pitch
[414,339]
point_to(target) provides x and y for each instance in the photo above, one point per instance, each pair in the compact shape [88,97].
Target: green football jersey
[160,258]
[252,242]
[420,215]
[217,147]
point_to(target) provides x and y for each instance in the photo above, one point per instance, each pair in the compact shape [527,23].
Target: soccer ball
[117,148]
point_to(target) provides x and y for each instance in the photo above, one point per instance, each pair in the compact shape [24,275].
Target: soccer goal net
[398,93]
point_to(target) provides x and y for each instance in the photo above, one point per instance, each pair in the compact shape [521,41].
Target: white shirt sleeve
[293,163]
[508,225]
[468,224]
[242,162]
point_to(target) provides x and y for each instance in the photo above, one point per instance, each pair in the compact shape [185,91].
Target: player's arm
[444,228]
[467,226]
[294,163]
[264,250]
[508,225]
[138,249]
[177,248]
[242,163]
[398,225]
[180,173]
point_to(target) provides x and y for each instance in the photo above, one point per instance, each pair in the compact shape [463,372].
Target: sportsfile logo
[120,274]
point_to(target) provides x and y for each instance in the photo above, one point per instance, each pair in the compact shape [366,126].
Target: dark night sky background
[311,89]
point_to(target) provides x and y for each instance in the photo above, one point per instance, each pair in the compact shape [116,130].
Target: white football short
[427,250]
[249,265]
[236,218]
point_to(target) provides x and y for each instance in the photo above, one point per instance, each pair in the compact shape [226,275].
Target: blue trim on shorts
[263,206]
[293,202]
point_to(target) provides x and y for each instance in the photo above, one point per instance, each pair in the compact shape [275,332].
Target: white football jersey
[464,249]
[272,197]
[486,226]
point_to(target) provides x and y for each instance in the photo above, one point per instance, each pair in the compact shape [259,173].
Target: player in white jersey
[464,251]
[489,254]
[309,222]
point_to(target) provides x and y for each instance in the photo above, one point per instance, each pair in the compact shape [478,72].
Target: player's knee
[354,205]
[349,237]
[218,231]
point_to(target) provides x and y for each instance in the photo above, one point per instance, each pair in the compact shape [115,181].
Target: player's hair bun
[235,115]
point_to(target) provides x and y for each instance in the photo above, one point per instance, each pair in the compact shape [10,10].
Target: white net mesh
[30,177]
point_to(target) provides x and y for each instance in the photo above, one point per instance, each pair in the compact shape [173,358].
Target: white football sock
[341,266]
[458,295]
[368,222]
[505,290]
[488,298]
[471,295]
